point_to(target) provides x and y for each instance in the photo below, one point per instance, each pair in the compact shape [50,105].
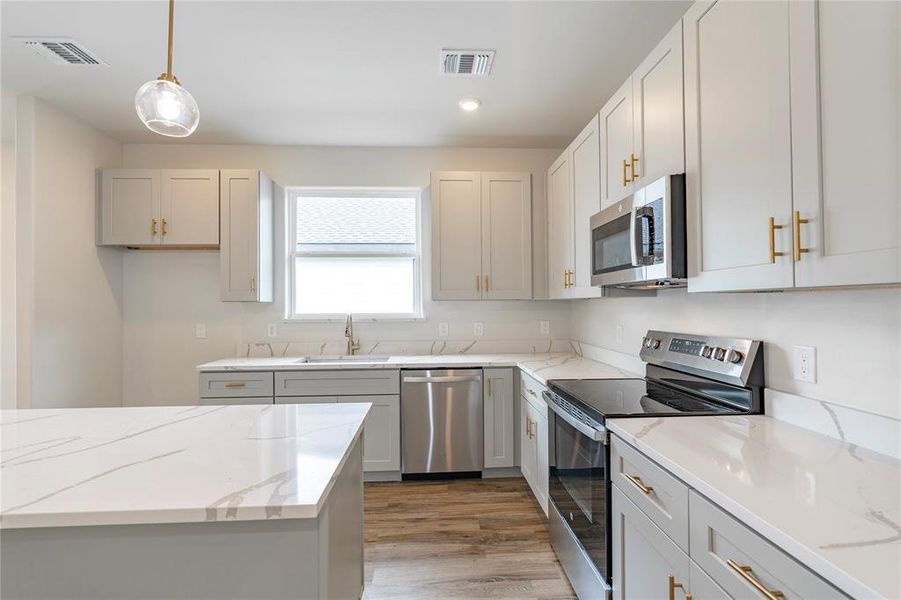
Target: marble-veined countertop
[542,367]
[833,506]
[171,464]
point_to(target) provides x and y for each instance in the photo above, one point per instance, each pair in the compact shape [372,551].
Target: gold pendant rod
[171,21]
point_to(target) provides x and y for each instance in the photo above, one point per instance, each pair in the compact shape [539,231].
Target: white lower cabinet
[381,438]
[534,442]
[646,563]
[235,401]
[498,415]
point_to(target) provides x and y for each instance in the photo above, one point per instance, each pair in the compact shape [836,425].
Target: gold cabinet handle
[773,228]
[796,234]
[635,174]
[747,574]
[165,227]
[673,586]
[486,282]
[478,285]
[529,427]
[253,284]
[571,282]
[533,432]
[625,166]
[531,392]
[239,384]
[152,227]
[637,482]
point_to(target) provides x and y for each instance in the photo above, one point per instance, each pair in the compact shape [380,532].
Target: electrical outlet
[804,365]
[443,330]
[478,329]
[619,334]
[200,331]
[544,327]
[271,330]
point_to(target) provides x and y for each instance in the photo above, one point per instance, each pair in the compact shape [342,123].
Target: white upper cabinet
[658,112]
[847,200]
[130,207]
[560,257]
[149,207]
[481,236]
[586,201]
[506,236]
[738,145]
[189,207]
[456,236]
[246,221]
[617,150]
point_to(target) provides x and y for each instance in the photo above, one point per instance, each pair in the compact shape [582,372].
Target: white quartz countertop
[542,367]
[113,466]
[833,506]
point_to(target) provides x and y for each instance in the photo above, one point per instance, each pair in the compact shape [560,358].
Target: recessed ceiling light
[470,104]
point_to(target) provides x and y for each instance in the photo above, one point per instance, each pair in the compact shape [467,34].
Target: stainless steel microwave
[640,242]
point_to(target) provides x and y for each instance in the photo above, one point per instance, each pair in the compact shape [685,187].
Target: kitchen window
[354,251]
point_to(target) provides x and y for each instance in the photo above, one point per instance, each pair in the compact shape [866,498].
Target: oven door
[616,244]
[578,486]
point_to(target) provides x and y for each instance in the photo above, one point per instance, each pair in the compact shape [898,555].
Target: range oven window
[612,245]
[578,485]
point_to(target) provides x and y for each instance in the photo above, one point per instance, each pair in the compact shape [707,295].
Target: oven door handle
[595,435]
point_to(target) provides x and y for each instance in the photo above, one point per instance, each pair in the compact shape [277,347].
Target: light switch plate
[200,331]
[804,364]
[544,327]
[271,330]
[443,330]
[478,329]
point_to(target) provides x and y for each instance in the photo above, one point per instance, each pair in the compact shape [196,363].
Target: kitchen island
[187,502]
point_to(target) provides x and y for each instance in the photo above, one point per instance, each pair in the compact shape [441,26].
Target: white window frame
[291,253]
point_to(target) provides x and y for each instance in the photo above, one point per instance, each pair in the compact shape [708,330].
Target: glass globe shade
[167,108]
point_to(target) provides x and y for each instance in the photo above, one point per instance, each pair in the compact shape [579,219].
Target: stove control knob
[707,352]
[735,357]
[720,354]
[656,344]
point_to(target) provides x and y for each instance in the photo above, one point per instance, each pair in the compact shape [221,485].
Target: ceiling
[341,73]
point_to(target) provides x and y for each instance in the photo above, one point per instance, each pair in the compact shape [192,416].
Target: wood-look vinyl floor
[458,539]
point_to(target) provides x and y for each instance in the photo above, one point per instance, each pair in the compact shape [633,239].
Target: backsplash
[387,347]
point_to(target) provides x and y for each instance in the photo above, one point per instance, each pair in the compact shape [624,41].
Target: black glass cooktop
[644,397]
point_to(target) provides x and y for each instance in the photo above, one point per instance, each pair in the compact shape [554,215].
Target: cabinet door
[528,459]
[540,437]
[498,408]
[190,207]
[738,145]
[615,126]
[456,236]
[658,111]
[644,559]
[130,207]
[586,192]
[559,228]
[381,437]
[245,208]
[506,236]
[846,141]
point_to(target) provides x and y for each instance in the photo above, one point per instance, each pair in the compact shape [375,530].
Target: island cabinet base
[319,557]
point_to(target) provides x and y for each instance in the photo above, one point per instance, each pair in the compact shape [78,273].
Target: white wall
[857,334]
[167,293]
[69,292]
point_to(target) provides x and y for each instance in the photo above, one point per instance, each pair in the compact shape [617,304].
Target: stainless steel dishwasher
[441,421]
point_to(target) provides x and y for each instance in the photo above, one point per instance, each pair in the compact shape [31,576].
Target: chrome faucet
[352,345]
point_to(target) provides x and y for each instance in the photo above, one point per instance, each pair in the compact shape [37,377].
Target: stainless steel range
[687,375]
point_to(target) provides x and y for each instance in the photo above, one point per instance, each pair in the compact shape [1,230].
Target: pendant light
[163,105]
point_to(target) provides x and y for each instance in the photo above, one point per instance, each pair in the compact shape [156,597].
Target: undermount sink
[343,359]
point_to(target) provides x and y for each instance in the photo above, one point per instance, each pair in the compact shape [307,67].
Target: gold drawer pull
[747,574]
[237,384]
[773,228]
[673,586]
[796,221]
[637,482]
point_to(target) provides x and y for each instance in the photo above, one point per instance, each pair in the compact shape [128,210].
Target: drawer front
[338,382]
[743,563]
[703,587]
[248,384]
[235,401]
[531,389]
[660,495]
[306,399]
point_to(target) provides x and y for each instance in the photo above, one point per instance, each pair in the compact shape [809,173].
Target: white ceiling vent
[62,51]
[467,62]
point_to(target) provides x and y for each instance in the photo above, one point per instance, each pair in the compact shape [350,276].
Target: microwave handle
[638,248]
[635,235]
